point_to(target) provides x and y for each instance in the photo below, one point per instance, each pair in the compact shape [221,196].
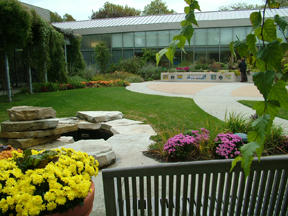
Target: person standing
[243,67]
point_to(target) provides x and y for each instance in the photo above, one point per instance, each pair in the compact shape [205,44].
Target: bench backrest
[198,188]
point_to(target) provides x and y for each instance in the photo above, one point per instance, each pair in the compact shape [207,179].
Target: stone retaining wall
[201,77]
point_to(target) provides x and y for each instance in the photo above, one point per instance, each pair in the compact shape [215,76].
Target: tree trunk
[8,77]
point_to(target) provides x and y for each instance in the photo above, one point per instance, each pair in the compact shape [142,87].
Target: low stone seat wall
[201,77]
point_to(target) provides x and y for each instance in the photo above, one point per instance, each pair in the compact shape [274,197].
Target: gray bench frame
[167,189]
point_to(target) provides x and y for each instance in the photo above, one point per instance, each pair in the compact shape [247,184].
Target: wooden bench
[198,188]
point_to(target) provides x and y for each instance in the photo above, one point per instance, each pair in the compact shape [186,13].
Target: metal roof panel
[166,18]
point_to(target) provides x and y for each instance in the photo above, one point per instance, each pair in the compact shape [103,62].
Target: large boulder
[28,113]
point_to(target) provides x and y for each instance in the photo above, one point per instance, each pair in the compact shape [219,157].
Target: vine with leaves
[270,80]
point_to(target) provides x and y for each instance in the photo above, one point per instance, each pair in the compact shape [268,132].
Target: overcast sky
[82,9]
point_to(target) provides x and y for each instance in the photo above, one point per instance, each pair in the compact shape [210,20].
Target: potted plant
[47,182]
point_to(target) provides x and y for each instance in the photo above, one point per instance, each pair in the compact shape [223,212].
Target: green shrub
[76,84]
[131,65]
[134,79]
[149,55]
[201,66]
[275,140]
[88,72]
[150,71]
[76,79]
[237,123]
[102,55]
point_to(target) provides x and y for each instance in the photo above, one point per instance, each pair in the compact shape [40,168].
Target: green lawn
[162,113]
[282,113]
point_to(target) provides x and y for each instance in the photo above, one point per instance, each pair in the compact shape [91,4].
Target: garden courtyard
[167,107]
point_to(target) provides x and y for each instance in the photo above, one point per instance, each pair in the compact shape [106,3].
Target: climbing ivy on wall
[43,46]
[271,80]
[74,56]
[56,71]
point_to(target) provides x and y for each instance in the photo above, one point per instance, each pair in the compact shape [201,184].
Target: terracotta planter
[84,210]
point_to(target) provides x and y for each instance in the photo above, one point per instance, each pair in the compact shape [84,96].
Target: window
[85,42]
[151,39]
[213,36]
[127,54]
[213,53]
[94,40]
[225,36]
[107,39]
[117,40]
[128,40]
[116,55]
[163,38]
[200,52]
[139,38]
[200,36]
[239,32]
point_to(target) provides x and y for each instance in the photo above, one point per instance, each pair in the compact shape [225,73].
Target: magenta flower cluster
[229,145]
[203,137]
[181,145]
[184,68]
[177,141]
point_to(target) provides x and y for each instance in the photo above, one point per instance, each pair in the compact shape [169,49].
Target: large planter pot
[84,210]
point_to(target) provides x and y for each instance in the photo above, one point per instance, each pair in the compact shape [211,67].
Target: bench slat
[227,193]
[254,193]
[267,193]
[247,195]
[283,185]
[177,198]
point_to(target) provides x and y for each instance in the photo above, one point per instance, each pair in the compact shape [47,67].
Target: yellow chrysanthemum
[49,196]
[51,206]
[61,200]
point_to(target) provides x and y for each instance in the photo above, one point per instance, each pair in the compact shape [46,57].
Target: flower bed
[50,87]
[45,182]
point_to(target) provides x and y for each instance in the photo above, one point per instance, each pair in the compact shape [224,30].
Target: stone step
[60,129]
[26,143]
[99,116]
[17,126]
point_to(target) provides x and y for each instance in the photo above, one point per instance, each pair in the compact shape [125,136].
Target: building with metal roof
[127,36]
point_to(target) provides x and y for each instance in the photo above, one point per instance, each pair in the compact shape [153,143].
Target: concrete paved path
[214,98]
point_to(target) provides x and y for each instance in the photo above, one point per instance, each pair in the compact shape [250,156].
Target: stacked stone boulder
[30,126]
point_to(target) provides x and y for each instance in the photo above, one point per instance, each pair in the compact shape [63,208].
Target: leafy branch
[268,62]
[186,32]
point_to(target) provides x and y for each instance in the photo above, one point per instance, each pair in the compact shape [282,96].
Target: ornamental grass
[45,182]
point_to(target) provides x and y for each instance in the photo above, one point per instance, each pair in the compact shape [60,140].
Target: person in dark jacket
[243,67]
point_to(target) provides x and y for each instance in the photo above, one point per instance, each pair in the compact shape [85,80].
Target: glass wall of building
[212,43]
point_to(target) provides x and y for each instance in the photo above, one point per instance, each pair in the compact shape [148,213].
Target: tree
[68,17]
[240,6]
[112,10]
[102,56]
[157,7]
[55,17]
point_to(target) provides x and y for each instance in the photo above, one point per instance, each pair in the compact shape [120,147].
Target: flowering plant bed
[45,182]
[103,83]
[195,145]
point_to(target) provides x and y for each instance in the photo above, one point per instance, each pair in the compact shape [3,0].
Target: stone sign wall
[199,77]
